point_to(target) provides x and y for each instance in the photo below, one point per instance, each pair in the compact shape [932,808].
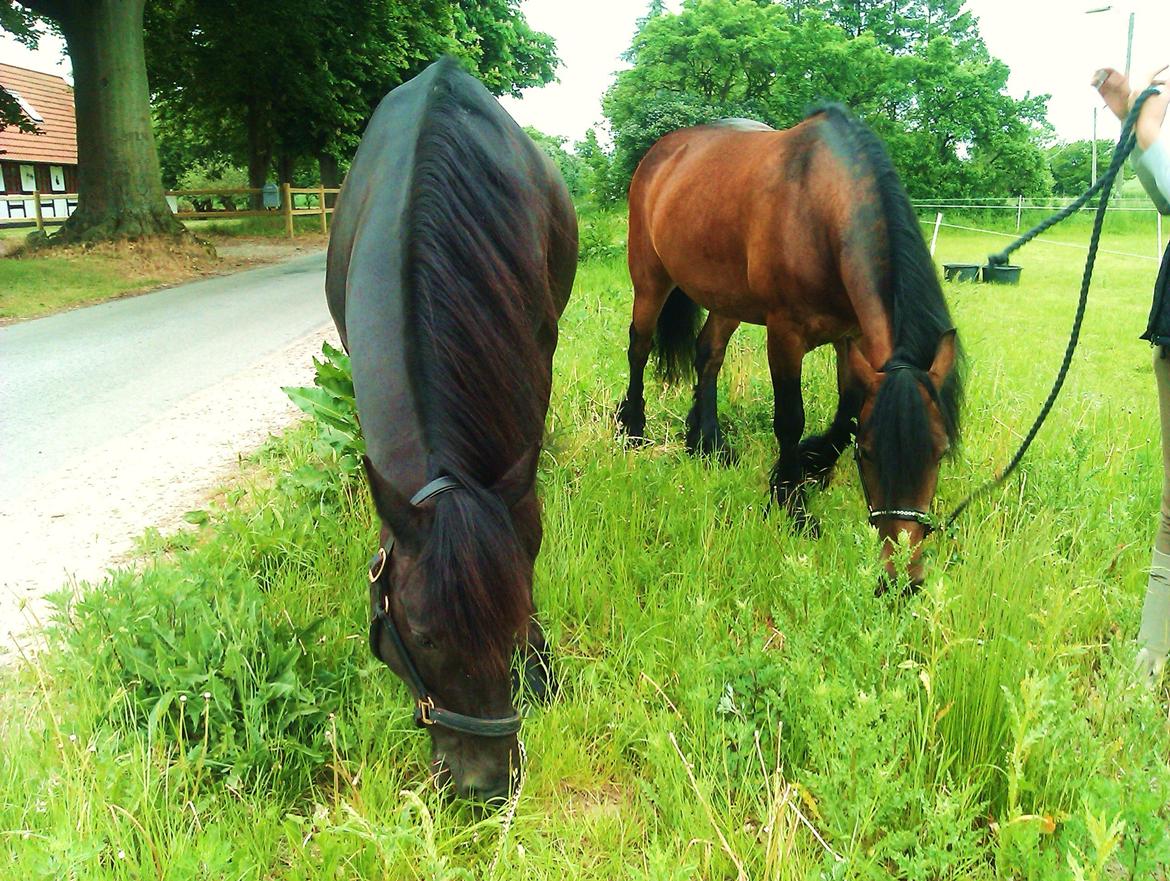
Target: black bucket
[1002,274]
[961,271]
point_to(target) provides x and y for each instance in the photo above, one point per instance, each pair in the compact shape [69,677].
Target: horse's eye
[424,642]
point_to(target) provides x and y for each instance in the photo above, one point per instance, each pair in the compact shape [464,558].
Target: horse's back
[438,163]
[730,208]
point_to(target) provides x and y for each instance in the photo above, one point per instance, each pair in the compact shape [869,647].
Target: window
[28,178]
[29,110]
[56,178]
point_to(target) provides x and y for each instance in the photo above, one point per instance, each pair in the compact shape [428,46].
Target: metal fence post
[934,238]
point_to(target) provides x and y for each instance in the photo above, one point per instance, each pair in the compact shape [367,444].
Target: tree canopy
[300,78]
[916,71]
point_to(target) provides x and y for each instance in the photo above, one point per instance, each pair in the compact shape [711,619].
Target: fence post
[934,238]
[1019,213]
[286,204]
[321,205]
[40,217]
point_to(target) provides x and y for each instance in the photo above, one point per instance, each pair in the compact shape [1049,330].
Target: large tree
[917,72]
[120,192]
[305,82]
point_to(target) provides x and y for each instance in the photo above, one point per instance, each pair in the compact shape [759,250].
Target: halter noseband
[426,711]
[914,515]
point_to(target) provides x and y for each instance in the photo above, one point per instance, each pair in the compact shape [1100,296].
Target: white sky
[1051,47]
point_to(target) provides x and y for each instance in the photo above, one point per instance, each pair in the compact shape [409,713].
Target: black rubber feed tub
[1006,274]
[961,271]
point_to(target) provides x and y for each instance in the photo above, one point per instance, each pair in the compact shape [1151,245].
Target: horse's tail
[674,337]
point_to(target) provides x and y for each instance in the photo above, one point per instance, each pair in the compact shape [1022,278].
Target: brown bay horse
[451,259]
[809,233]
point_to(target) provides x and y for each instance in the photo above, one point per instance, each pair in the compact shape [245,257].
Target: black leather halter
[426,711]
[878,514]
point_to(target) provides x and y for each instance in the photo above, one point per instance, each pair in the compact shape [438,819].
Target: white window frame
[57,173]
[27,173]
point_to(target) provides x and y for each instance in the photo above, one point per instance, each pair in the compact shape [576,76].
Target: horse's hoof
[540,684]
[817,461]
[807,525]
[631,424]
[708,447]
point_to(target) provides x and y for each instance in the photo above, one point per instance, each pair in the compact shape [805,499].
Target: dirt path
[83,519]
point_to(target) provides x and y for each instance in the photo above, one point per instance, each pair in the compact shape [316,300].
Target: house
[44,162]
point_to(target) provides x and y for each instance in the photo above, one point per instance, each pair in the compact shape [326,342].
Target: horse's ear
[860,367]
[944,358]
[394,509]
[517,481]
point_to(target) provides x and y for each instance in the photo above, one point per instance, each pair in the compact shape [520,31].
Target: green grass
[30,287]
[988,728]
[41,284]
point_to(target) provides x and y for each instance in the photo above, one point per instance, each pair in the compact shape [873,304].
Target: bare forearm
[1149,124]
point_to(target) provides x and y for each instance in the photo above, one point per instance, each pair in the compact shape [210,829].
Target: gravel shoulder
[76,522]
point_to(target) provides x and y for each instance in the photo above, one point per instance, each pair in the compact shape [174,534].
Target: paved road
[74,381]
[122,416]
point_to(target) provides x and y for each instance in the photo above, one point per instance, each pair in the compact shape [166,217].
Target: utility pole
[1129,46]
[1093,148]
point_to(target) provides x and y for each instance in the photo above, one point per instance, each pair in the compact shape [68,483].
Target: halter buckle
[423,707]
[379,565]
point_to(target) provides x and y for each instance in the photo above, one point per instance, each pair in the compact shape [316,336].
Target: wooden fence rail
[287,205]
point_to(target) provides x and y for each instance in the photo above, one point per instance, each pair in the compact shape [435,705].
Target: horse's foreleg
[704,436]
[539,680]
[785,357]
[820,452]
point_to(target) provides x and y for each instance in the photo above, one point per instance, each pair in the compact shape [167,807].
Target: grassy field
[727,687]
[41,283]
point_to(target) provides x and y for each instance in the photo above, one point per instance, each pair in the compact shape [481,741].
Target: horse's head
[907,423]
[451,594]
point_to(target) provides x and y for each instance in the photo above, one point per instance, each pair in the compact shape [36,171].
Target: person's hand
[1115,89]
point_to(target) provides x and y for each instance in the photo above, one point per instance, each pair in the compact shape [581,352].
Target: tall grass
[734,698]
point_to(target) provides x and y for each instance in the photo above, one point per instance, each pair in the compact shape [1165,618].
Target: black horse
[452,256]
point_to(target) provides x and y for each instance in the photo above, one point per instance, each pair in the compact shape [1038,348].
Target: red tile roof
[52,99]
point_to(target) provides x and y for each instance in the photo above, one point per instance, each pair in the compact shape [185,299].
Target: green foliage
[309,74]
[23,26]
[917,73]
[719,673]
[331,404]
[571,166]
[210,176]
[1072,166]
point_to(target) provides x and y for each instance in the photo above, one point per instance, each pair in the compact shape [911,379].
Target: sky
[1051,46]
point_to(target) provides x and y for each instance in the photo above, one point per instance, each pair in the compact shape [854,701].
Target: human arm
[1151,157]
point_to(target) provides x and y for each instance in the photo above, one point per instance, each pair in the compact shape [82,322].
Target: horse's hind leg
[704,436]
[785,358]
[651,288]
[820,452]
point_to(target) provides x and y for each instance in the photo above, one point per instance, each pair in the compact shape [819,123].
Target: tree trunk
[119,185]
[330,176]
[259,152]
[284,166]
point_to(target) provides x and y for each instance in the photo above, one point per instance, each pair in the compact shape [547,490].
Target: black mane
[477,286]
[913,299]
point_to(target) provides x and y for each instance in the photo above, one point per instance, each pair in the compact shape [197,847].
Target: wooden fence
[287,208]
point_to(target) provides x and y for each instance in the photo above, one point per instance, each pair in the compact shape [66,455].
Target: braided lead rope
[1125,146]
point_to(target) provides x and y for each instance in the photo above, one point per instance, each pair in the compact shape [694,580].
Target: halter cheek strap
[426,711]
